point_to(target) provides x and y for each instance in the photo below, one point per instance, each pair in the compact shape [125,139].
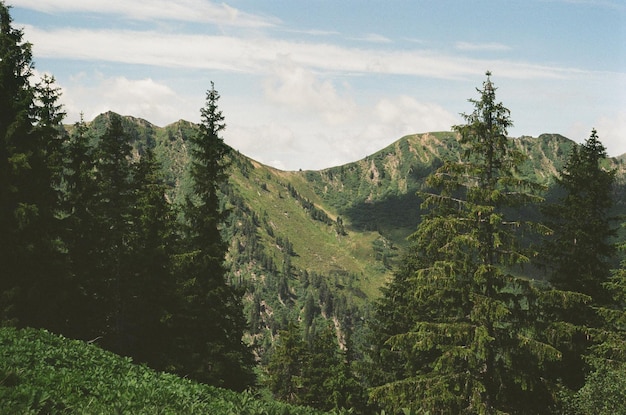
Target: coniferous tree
[211,322]
[286,364]
[313,373]
[605,357]
[473,346]
[79,231]
[29,135]
[49,288]
[580,251]
[150,292]
[578,256]
[99,225]
[327,382]
[396,311]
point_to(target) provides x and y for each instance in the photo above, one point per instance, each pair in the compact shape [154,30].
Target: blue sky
[313,84]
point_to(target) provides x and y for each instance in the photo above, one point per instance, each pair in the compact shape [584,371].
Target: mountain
[311,245]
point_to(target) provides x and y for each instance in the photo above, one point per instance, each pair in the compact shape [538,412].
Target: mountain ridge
[366,193]
[326,240]
[435,134]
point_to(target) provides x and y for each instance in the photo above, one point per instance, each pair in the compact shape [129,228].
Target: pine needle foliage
[580,251]
[473,346]
[211,323]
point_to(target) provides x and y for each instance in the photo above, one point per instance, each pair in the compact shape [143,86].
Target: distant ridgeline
[327,238]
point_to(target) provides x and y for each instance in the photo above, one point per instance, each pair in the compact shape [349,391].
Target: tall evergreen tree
[314,374]
[79,232]
[578,255]
[100,226]
[150,291]
[580,251]
[473,344]
[604,359]
[286,364]
[30,120]
[16,118]
[50,287]
[327,382]
[211,322]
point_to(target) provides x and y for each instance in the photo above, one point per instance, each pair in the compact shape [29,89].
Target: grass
[317,245]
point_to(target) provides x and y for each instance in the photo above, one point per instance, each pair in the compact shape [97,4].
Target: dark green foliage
[45,373]
[604,393]
[313,373]
[156,242]
[578,255]
[107,282]
[92,248]
[395,312]
[580,251]
[472,343]
[152,290]
[78,225]
[32,285]
[210,323]
[285,365]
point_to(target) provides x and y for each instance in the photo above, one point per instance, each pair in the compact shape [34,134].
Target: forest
[106,240]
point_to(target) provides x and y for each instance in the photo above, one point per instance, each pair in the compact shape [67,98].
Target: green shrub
[42,373]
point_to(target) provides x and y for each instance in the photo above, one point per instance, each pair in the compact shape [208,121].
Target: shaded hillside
[378,192]
[316,245]
[374,198]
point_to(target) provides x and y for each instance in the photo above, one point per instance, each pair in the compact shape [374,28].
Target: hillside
[329,238]
[42,373]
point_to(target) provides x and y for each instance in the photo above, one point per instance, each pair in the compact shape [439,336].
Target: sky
[312,84]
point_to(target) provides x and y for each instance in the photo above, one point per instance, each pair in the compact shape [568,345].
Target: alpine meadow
[148,269]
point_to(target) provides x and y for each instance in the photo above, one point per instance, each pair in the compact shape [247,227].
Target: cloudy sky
[317,83]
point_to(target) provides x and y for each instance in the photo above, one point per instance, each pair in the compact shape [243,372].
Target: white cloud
[410,116]
[296,87]
[490,47]
[256,54]
[374,38]
[270,143]
[143,98]
[182,10]
[612,133]
[314,145]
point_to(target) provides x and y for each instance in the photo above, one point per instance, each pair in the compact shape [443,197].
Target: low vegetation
[43,373]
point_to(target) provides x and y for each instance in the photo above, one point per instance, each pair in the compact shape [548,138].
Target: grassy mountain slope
[373,197]
[41,373]
[334,234]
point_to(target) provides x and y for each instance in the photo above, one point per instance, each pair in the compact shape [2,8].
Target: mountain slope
[331,235]
[373,197]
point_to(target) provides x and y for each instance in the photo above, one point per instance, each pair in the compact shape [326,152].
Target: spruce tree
[286,365]
[150,291]
[211,322]
[580,251]
[30,288]
[79,228]
[474,344]
[99,226]
[578,256]
[327,382]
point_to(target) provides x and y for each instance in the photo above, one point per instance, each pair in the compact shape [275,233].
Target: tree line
[462,329]
[90,247]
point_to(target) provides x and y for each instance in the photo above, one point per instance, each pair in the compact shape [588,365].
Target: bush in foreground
[44,373]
